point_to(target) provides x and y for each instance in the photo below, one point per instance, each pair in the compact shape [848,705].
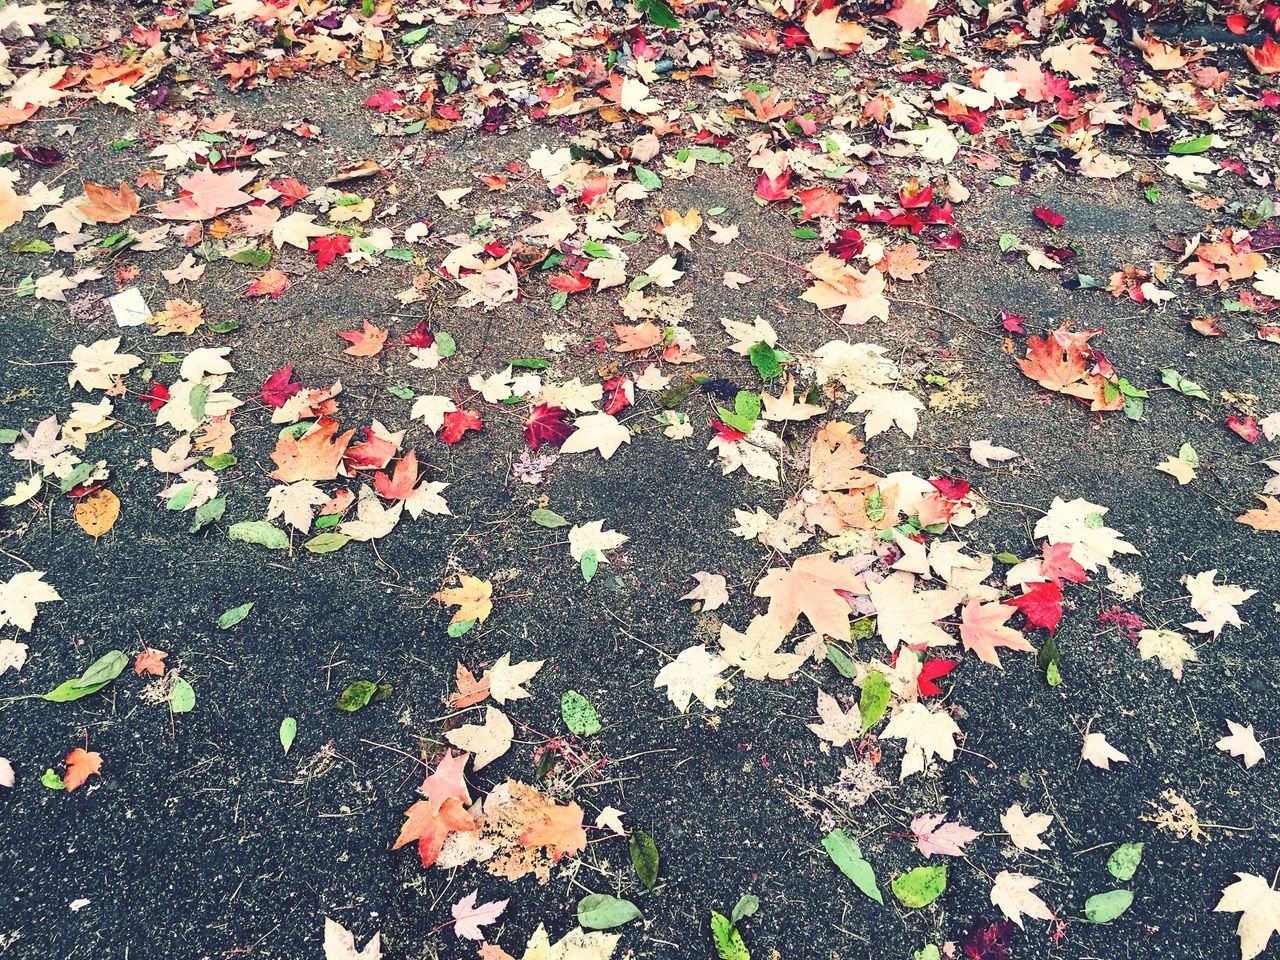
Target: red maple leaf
[988,941]
[1012,322]
[930,671]
[570,282]
[1041,604]
[457,423]
[725,432]
[290,190]
[951,489]
[328,248]
[546,425]
[847,244]
[374,453]
[773,188]
[1048,217]
[619,394]
[385,101]
[400,484]
[1057,564]
[156,397]
[279,387]
[419,336]
[1246,429]
[913,195]
[818,203]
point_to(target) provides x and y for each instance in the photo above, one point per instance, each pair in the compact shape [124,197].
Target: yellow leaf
[97,513]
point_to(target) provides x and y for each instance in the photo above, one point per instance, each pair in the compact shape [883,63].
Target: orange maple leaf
[81,765]
[272,282]
[1266,517]
[400,484]
[819,202]
[315,456]
[810,587]
[150,661]
[430,826]
[1266,58]
[640,337]
[473,598]
[834,459]
[982,629]
[557,829]
[106,205]
[470,690]
[364,343]
[828,32]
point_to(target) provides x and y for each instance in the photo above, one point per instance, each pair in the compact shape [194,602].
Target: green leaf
[847,855]
[1049,659]
[103,670]
[578,714]
[840,660]
[404,393]
[765,359]
[1007,557]
[727,940]
[327,521]
[589,562]
[51,780]
[415,36]
[659,14]
[445,345]
[863,629]
[1188,388]
[359,693]
[747,906]
[804,233]
[746,410]
[548,518]
[530,363]
[182,696]
[1105,907]
[260,532]
[67,691]
[599,911]
[327,542]
[1005,181]
[234,615]
[8,436]
[254,256]
[644,857]
[456,630]
[921,886]
[1123,864]
[288,730]
[1008,241]
[874,699]
[207,513]
[1187,454]
[1198,145]
[220,461]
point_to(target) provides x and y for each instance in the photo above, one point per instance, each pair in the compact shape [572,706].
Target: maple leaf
[1266,58]
[296,502]
[694,673]
[485,742]
[279,387]
[109,206]
[178,316]
[317,455]
[904,616]
[834,458]
[81,765]
[205,194]
[988,942]
[640,337]
[400,485]
[1024,829]
[1242,742]
[838,727]
[756,651]
[546,424]
[470,917]
[12,655]
[271,283]
[903,263]
[828,32]
[340,944]
[599,432]
[810,587]
[364,343]
[1169,646]
[20,596]
[97,365]
[836,284]
[910,15]
[470,690]
[935,834]
[785,408]
[982,629]
[507,679]
[1216,603]
[373,521]
[1099,752]
[1011,893]
[927,735]
[1251,896]
[1262,518]
[298,230]
[711,590]
[887,408]
[329,247]
[456,423]
[1080,523]
[678,230]
[150,661]
[930,671]
[818,203]
[473,599]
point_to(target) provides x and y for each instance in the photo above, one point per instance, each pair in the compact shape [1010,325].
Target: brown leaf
[109,206]
[97,513]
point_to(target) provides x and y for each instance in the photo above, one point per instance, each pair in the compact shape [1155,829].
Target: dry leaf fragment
[507,679]
[97,513]
[340,944]
[927,734]
[1259,907]
[694,673]
[1169,647]
[711,590]
[1099,752]
[1011,892]
[1024,829]
[485,742]
[756,651]
[1243,743]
